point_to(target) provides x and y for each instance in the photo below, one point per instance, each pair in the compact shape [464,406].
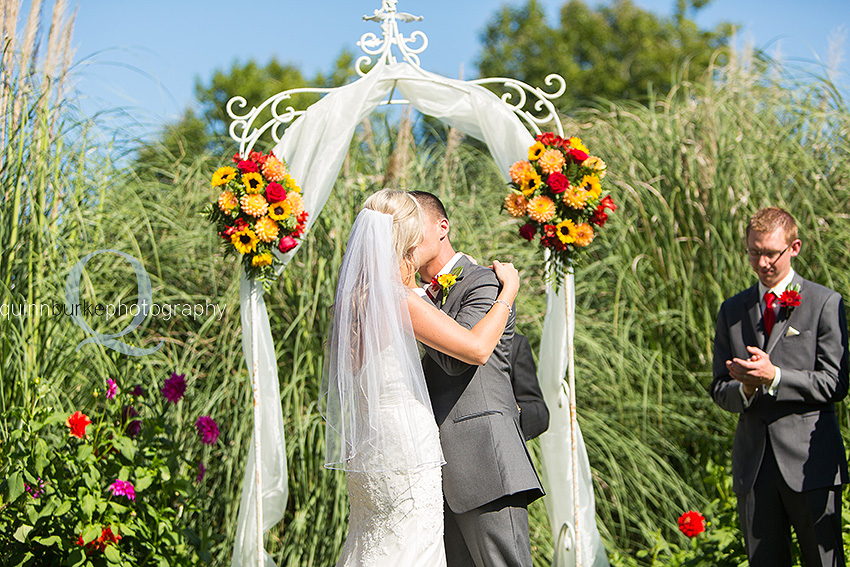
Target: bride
[381,428]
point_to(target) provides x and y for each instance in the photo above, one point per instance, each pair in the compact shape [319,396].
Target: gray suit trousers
[494,535]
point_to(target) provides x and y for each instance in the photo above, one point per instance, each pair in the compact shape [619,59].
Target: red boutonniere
[791,297]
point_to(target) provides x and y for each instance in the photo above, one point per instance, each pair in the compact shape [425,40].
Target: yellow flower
[253,182]
[535,151]
[274,169]
[551,161]
[584,234]
[227,201]
[521,171]
[267,229]
[598,166]
[575,198]
[541,209]
[296,203]
[245,240]
[576,143]
[446,281]
[289,184]
[531,184]
[516,204]
[280,210]
[591,184]
[254,205]
[264,259]
[566,231]
[223,175]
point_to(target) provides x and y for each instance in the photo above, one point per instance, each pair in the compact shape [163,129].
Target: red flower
[600,217]
[237,158]
[77,422]
[275,192]
[550,230]
[558,182]
[286,244]
[258,157]
[527,231]
[248,166]
[105,538]
[577,155]
[550,139]
[790,298]
[238,226]
[692,523]
[607,203]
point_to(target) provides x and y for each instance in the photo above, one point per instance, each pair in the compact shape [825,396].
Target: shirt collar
[778,288]
[432,288]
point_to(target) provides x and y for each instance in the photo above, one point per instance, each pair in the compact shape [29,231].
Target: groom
[488,479]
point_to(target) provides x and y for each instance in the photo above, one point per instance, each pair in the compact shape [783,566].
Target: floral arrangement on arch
[259,209]
[558,192]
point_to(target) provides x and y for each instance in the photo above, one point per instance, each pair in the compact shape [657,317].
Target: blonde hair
[407,224]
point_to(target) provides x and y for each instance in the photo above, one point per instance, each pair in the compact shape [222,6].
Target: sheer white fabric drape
[314,146]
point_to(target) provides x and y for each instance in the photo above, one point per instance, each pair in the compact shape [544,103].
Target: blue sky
[146,56]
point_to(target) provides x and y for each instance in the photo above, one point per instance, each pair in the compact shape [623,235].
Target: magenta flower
[207,430]
[174,388]
[111,388]
[202,470]
[123,488]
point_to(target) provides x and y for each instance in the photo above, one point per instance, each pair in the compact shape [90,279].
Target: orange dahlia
[296,203]
[274,169]
[267,230]
[575,198]
[535,151]
[516,204]
[254,205]
[598,166]
[227,201]
[551,160]
[541,208]
[584,234]
[521,171]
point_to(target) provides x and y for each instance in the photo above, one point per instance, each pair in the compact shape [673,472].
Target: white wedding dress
[396,516]
[380,426]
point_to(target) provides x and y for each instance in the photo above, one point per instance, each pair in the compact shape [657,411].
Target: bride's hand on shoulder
[509,278]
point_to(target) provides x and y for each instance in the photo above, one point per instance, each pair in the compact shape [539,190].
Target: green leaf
[87,505]
[47,541]
[143,482]
[16,486]
[91,533]
[22,532]
[125,447]
[41,460]
[112,554]
[76,557]
[84,452]
[63,508]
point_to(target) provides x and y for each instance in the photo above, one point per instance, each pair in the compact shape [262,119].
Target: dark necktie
[769,316]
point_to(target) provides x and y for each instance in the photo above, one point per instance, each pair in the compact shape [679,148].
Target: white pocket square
[792,332]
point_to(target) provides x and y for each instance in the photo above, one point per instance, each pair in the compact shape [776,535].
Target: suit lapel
[453,294]
[782,320]
[754,311]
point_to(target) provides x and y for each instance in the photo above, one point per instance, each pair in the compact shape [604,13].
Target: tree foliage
[615,51]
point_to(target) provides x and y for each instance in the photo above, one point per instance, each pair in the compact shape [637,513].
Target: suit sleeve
[725,391]
[534,415]
[828,381]
[479,297]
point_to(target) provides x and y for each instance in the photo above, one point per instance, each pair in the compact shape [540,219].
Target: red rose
[248,166]
[692,523]
[286,244]
[528,231]
[275,192]
[577,155]
[558,182]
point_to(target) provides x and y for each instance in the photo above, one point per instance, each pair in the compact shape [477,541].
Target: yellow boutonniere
[447,282]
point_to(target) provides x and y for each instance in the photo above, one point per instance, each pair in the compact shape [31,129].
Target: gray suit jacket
[809,345]
[486,456]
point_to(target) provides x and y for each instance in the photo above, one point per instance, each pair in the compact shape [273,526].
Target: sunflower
[535,151]
[227,201]
[253,182]
[274,169]
[223,176]
[551,161]
[245,240]
[596,164]
[263,259]
[296,203]
[254,205]
[541,209]
[584,234]
[566,231]
[591,184]
[516,204]
[576,143]
[575,198]
[267,229]
[530,184]
[280,210]
[521,171]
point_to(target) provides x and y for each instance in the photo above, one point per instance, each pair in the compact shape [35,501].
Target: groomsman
[533,413]
[781,363]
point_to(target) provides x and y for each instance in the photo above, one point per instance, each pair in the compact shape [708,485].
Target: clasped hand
[753,372]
